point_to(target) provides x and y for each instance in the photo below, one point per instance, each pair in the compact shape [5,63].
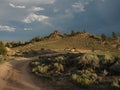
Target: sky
[25,19]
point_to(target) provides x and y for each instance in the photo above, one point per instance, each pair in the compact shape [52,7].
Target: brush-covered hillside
[80,41]
[75,61]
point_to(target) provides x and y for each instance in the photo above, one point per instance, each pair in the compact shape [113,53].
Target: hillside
[76,61]
[81,41]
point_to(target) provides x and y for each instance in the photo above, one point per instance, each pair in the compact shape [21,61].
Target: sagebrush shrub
[89,60]
[115,68]
[115,84]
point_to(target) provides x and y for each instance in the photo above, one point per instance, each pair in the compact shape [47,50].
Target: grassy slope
[79,41]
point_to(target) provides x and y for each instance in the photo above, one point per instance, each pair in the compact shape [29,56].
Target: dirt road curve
[15,75]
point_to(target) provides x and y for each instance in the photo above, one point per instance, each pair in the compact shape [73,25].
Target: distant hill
[78,40]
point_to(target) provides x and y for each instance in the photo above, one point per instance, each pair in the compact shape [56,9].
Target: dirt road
[15,75]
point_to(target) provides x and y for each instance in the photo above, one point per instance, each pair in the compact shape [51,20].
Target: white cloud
[67,11]
[14,6]
[20,7]
[37,9]
[33,1]
[56,10]
[27,29]
[7,28]
[79,6]
[34,17]
[103,0]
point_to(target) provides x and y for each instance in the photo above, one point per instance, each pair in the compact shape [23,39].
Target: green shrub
[62,66]
[106,61]
[35,63]
[108,58]
[115,84]
[89,60]
[34,70]
[43,69]
[84,82]
[105,72]
[35,39]
[71,62]
[84,79]
[116,68]
[90,74]
[104,37]
[3,50]
[46,60]
[74,76]
[59,67]
[15,44]
[59,58]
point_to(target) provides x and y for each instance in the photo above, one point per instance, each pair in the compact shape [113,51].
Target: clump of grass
[116,84]
[5,58]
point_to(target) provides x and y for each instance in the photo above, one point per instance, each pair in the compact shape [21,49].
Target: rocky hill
[78,40]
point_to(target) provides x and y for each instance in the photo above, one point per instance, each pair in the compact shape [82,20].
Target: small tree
[104,37]
[36,39]
[83,31]
[114,35]
[2,49]
[73,32]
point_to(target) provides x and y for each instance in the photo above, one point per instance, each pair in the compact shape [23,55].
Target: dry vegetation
[83,70]
[69,62]
[81,41]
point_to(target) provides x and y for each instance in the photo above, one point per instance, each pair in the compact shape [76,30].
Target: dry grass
[80,42]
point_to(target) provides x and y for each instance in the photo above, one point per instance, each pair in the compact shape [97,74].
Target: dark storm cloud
[40,17]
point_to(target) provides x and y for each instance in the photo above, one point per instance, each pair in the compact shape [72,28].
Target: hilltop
[80,41]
